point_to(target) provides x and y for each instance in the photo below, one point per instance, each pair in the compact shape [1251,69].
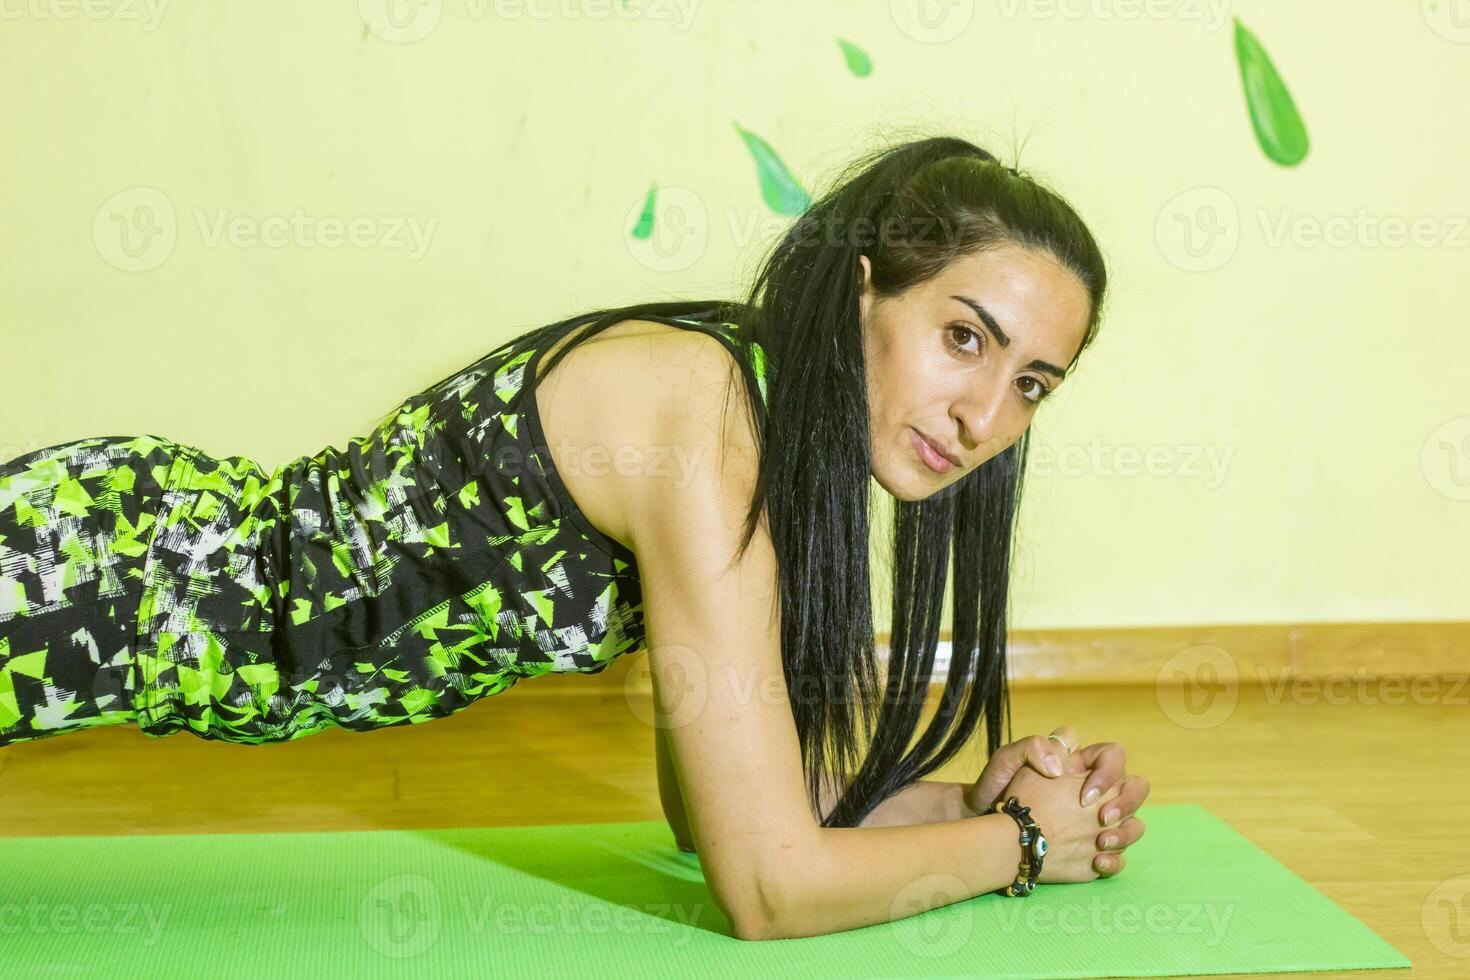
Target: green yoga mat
[618,899]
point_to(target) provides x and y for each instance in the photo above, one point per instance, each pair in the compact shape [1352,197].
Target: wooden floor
[1369,802]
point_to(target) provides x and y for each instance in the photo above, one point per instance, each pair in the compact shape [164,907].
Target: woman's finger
[1006,761]
[1107,760]
[1066,742]
[1044,755]
[1108,864]
[1130,797]
[1126,834]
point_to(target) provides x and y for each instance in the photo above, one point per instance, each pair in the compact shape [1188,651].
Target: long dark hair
[911,208]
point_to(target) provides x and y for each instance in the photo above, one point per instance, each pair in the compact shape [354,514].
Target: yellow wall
[1327,384]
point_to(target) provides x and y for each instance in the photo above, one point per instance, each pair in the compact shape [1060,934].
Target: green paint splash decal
[858,61]
[644,227]
[779,189]
[1278,125]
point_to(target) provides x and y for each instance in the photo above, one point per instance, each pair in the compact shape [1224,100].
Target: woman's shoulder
[638,402]
[641,371]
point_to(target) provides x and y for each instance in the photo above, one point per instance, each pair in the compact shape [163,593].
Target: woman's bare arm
[669,794]
[715,659]
[924,801]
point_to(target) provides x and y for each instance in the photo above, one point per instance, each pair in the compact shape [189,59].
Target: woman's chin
[907,487]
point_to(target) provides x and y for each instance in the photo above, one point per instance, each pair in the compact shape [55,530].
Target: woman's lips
[929,454]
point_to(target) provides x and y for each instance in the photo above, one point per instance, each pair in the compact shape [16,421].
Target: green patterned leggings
[141,582]
[75,525]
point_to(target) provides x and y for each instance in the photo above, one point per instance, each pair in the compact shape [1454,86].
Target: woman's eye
[965,334]
[1039,390]
[1033,391]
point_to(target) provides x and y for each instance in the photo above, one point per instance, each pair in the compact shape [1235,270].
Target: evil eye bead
[1041,847]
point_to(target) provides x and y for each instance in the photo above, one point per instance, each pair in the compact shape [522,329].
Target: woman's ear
[865,288]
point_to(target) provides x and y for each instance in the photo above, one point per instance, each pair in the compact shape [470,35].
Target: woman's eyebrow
[1001,337]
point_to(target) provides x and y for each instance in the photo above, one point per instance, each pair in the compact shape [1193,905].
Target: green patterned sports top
[434,562]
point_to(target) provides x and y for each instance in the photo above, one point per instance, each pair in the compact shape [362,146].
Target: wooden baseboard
[1161,654]
[1322,650]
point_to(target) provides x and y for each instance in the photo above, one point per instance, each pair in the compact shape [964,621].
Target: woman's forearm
[923,801]
[852,877]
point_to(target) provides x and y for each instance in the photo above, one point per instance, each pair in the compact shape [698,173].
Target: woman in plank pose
[903,332]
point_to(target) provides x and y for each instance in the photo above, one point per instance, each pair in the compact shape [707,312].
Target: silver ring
[1063,741]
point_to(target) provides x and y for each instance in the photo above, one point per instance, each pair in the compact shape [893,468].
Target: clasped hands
[1118,826]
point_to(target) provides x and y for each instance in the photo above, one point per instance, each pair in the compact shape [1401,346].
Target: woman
[903,331]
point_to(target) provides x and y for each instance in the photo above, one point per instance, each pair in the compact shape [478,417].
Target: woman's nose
[980,418]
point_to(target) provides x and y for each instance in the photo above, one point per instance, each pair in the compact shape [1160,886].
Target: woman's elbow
[770,927]
[749,907]
[754,926]
[766,923]
[784,896]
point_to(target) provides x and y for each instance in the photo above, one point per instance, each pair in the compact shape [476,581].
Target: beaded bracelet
[1033,848]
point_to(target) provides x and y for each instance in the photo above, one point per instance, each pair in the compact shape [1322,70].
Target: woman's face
[963,360]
